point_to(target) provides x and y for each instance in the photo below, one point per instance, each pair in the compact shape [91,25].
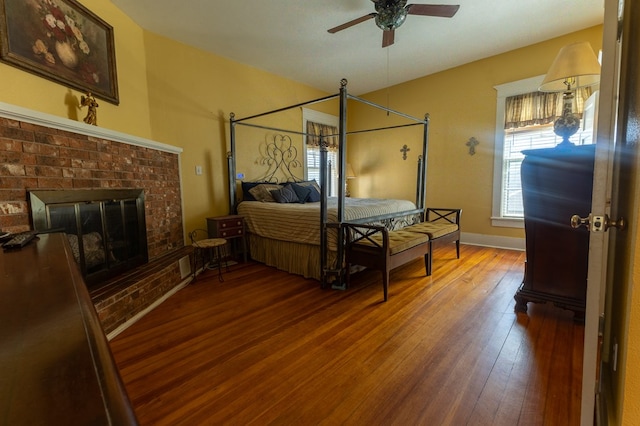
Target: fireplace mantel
[45,152]
[26,115]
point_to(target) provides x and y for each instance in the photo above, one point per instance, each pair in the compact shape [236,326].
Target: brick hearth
[37,155]
[140,287]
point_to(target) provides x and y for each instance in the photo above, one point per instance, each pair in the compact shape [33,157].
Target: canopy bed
[302,232]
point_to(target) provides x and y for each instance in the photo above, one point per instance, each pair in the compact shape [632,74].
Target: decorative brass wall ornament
[92,114]
[471,143]
[404,151]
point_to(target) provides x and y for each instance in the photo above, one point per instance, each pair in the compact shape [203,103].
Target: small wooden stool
[206,246]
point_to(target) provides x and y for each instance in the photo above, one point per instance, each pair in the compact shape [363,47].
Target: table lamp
[574,67]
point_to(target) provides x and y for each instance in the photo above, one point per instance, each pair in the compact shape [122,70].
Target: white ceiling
[289,37]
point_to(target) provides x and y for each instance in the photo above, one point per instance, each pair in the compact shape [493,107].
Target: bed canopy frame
[337,274]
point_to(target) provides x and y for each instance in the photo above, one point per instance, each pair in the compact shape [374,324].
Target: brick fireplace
[42,152]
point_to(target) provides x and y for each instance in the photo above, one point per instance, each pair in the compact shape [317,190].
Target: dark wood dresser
[556,184]
[56,366]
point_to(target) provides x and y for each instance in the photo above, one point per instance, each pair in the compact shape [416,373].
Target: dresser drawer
[225,226]
[231,232]
[229,223]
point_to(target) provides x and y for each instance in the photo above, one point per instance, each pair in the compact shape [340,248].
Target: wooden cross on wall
[404,151]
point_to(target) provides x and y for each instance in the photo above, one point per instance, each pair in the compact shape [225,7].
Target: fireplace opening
[105,227]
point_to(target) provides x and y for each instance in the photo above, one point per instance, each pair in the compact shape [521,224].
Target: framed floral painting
[60,40]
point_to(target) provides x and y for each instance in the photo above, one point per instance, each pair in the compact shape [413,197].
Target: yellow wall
[192,94]
[462,104]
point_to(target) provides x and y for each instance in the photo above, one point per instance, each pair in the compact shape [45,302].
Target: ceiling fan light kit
[390,17]
[391,14]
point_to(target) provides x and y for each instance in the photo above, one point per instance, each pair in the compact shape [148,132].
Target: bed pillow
[285,195]
[314,194]
[262,192]
[302,192]
[246,188]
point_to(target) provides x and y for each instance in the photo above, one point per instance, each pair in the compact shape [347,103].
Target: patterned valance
[540,107]
[330,133]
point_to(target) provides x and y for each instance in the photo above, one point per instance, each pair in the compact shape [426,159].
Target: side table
[229,227]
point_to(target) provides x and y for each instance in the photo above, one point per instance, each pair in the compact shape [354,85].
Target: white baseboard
[511,243]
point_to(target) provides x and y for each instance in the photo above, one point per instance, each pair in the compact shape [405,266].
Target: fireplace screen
[106,228]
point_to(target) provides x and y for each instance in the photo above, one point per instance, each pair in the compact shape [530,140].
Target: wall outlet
[198,170]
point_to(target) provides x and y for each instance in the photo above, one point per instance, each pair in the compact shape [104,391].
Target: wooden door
[616,182]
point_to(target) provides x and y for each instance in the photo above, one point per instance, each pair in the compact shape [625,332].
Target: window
[312,152]
[522,135]
[312,170]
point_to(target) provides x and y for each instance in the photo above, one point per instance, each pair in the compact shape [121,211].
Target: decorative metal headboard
[280,157]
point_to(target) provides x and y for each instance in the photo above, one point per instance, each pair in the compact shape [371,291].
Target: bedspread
[300,223]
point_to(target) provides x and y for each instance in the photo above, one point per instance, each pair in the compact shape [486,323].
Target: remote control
[19,240]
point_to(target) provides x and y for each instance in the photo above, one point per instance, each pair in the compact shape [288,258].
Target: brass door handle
[619,224]
[577,221]
[598,223]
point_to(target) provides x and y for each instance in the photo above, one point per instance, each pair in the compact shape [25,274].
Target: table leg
[219,256]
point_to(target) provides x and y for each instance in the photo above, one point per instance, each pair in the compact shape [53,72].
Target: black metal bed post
[339,282]
[423,170]
[338,271]
[323,212]
[419,187]
[342,146]
[231,165]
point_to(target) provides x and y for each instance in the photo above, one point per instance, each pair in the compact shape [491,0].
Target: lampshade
[575,61]
[350,173]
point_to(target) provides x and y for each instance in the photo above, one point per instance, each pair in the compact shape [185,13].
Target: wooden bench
[377,248]
[442,226]
[373,246]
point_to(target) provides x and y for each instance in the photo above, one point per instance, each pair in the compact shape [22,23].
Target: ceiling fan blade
[388,37]
[352,23]
[441,10]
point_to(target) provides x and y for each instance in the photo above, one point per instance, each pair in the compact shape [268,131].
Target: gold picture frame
[60,40]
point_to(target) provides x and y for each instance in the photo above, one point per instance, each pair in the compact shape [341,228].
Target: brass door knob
[620,224]
[598,223]
[577,221]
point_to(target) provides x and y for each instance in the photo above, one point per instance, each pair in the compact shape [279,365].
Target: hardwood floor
[266,347]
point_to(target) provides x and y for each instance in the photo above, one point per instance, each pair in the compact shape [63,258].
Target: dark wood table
[229,227]
[56,366]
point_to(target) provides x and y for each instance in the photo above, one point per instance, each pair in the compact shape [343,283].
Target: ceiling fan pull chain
[388,106]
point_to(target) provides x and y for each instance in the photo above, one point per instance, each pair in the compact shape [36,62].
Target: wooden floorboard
[266,347]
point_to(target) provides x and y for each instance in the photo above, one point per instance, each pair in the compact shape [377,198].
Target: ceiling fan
[390,14]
